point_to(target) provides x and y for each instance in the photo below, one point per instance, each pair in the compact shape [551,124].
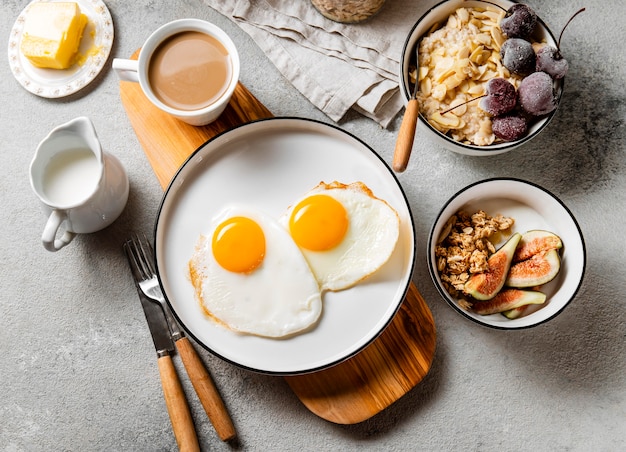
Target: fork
[200,378]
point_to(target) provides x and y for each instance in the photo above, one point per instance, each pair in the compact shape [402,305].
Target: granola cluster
[464,247]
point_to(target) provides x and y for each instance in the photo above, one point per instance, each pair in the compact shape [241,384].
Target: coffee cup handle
[50,242]
[126,70]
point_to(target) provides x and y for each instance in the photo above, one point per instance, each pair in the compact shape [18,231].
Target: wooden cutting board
[357,388]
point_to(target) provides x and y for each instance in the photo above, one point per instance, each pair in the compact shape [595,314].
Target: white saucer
[55,83]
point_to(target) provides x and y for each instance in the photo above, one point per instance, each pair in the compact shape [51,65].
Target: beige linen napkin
[336,66]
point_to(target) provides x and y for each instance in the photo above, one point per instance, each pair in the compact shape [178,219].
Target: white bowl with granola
[506,253]
[453,51]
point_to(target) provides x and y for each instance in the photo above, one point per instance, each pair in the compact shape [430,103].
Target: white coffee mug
[81,188]
[139,70]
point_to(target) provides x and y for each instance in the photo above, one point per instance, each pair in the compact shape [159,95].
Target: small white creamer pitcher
[80,186]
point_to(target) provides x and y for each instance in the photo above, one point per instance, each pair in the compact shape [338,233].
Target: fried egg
[249,275]
[344,231]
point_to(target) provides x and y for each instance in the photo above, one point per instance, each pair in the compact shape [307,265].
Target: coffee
[187,68]
[190,70]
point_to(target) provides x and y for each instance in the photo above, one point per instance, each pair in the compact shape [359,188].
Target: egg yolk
[318,223]
[239,245]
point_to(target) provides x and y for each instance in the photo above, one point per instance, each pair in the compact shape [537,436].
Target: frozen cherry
[509,127]
[518,56]
[519,21]
[536,94]
[501,97]
[550,60]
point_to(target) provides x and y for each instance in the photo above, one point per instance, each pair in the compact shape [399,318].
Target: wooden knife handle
[206,390]
[180,416]
[406,135]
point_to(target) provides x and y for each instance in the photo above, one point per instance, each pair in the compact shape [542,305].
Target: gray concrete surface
[77,366]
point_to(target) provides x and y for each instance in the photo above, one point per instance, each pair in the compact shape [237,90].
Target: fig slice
[507,300]
[515,312]
[485,285]
[534,242]
[539,269]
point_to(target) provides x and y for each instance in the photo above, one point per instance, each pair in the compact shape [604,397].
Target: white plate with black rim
[269,164]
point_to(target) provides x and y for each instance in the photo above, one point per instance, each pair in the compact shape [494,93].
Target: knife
[177,407]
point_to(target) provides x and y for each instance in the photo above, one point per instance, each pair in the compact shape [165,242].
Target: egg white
[279,298]
[373,231]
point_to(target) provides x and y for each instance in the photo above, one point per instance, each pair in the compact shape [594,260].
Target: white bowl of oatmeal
[449,34]
[518,207]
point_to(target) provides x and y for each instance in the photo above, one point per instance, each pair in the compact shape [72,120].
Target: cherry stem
[558,44]
[461,104]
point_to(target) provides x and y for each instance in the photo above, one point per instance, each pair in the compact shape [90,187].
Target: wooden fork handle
[180,416]
[406,135]
[206,390]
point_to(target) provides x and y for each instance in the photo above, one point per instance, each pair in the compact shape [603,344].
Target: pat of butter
[52,34]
